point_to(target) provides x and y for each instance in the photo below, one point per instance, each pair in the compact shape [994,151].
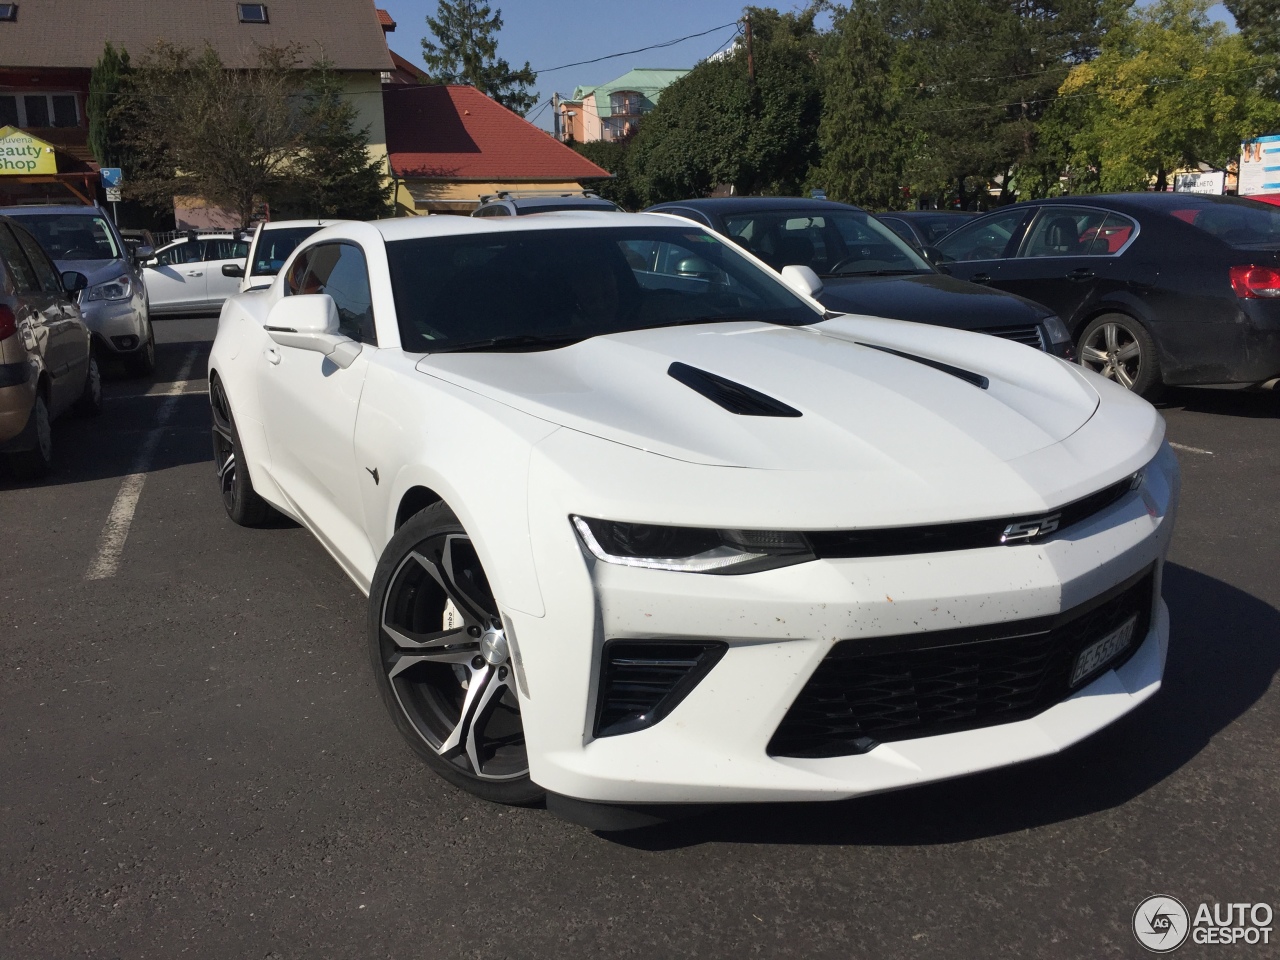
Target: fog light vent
[641,681]
[125,343]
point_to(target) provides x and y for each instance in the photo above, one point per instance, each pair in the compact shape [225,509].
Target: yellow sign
[23,154]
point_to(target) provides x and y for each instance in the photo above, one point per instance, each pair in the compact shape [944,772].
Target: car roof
[53,208]
[533,202]
[730,205]
[406,228]
[929,213]
[286,224]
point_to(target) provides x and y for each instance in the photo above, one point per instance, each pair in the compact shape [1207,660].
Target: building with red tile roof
[450,145]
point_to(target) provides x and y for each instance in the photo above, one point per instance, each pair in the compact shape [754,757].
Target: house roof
[457,133]
[71,33]
[646,81]
[405,71]
[385,21]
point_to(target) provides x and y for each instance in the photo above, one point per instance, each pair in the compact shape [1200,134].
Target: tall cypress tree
[466,52]
[109,76]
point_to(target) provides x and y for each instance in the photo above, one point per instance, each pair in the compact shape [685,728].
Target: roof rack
[530,194]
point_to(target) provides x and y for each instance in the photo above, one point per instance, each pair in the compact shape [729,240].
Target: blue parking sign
[110,176]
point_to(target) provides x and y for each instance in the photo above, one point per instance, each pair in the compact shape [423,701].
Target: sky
[550,33]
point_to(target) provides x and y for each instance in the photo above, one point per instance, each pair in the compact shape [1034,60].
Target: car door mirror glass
[73,281]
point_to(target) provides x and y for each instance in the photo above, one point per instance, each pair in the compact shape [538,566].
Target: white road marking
[116,531]
[1182,446]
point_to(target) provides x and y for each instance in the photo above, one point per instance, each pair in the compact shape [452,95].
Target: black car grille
[1029,335]
[867,692]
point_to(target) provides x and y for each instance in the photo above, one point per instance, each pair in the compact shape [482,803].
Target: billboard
[1214,182]
[21,153]
[1260,166]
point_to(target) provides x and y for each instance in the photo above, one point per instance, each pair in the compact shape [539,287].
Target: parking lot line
[116,531]
[1183,447]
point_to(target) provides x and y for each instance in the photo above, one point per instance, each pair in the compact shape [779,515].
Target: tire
[1119,348]
[239,499]
[440,660]
[35,463]
[90,402]
[143,362]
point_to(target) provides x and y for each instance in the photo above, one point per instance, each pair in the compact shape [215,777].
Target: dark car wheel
[143,362]
[36,462]
[239,499]
[90,402]
[442,663]
[1120,348]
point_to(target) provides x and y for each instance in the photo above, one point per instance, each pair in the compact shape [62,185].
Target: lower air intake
[641,681]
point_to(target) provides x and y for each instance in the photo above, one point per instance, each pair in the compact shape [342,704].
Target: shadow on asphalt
[1223,655]
[1224,401]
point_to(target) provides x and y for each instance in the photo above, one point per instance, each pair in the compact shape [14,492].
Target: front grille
[1029,335]
[873,691]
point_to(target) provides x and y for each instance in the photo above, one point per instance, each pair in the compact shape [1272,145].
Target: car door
[177,279]
[977,251]
[39,318]
[68,345]
[1060,261]
[311,404]
[218,253]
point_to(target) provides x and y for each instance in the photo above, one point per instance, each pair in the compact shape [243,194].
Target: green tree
[465,51]
[333,175]
[1259,23]
[715,126]
[612,156]
[108,78]
[1171,88]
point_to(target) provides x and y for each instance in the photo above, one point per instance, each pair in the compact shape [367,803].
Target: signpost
[1260,166]
[111,180]
[1213,182]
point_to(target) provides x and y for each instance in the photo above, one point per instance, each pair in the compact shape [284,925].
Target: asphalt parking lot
[196,763]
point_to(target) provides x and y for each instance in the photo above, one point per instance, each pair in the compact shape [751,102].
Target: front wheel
[1121,349]
[442,661]
[239,499]
[143,362]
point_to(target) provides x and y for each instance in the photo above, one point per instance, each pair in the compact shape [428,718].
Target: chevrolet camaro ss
[641,523]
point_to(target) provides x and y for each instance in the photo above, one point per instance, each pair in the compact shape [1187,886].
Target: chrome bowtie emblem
[1030,529]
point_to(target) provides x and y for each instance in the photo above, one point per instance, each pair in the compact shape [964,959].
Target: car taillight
[8,322]
[1251,282]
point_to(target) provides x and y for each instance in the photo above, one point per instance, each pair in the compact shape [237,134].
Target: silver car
[114,304]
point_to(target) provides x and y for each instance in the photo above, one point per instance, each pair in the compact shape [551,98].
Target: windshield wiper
[522,341]
[875,273]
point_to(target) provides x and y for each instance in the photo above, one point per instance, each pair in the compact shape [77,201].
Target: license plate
[1099,652]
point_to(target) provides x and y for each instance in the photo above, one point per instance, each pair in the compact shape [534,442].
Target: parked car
[186,276]
[663,530]
[46,354]
[924,228]
[1156,288]
[114,304]
[270,247]
[516,205]
[864,267]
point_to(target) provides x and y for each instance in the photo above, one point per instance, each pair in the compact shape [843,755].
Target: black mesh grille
[641,681]
[1029,335]
[899,688]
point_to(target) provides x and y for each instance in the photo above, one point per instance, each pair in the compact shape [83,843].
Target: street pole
[555,115]
[751,60]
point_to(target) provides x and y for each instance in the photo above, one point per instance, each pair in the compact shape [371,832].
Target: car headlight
[1057,330]
[691,549]
[121,288]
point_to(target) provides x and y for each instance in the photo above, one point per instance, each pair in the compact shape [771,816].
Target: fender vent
[968,376]
[734,397]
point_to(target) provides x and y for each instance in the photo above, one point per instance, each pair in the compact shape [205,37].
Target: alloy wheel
[445,653]
[1113,351]
[224,451]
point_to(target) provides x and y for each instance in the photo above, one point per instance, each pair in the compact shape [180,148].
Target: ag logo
[1161,924]
[1017,532]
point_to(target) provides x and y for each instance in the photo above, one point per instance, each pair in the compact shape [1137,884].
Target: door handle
[981,278]
[1080,273]
[197,273]
[272,355]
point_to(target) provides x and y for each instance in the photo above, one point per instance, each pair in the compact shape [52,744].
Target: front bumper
[780,624]
[118,326]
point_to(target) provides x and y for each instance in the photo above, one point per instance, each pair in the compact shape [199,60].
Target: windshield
[546,288]
[274,247]
[1240,224]
[835,243]
[72,236]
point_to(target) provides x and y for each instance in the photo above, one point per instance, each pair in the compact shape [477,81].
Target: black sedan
[1156,288]
[866,268]
[924,228]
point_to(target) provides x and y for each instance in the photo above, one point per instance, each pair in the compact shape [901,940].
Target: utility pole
[751,60]
[555,115]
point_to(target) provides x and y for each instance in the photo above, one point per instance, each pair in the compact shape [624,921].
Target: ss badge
[1029,530]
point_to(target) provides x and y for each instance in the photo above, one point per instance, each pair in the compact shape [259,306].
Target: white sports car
[641,524]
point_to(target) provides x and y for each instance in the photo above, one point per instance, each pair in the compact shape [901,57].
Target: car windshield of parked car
[274,247]
[935,227]
[537,289]
[1238,224]
[833,243]
[72,236]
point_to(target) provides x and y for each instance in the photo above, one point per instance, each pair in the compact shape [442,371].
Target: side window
[239,250]
[45,272]
[24,277]
[339,270]
[985,239]
[1065,232]
[900,228]
[1114,233]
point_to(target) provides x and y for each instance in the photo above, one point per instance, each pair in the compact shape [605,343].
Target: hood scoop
[968,376]
[733,397]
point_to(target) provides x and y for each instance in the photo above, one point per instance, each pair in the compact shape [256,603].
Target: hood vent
[734,397]
[968,376]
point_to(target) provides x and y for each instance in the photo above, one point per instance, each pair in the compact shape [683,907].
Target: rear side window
[39,261]
[339,270]
[20,269]
[986,239]
[1065,232]
[1237,224]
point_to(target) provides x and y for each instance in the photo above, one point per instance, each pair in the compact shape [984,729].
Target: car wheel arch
[414,500]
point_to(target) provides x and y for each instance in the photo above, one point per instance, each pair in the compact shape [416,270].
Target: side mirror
[933,255]
[74,282]
[233,269]
[144,252]
[802,280]
[310,322]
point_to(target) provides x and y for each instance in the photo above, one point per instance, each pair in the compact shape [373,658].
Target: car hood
[861,407]
[930,298]
[97,271]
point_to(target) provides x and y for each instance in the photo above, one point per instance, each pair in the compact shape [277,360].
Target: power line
[627,53]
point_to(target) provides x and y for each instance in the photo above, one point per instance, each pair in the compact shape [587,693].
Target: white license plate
[1096,654]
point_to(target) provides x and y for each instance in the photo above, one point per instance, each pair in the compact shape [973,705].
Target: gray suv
[514,205]
[114,303]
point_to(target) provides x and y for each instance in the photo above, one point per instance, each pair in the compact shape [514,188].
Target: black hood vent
[968,376]
[734,397]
